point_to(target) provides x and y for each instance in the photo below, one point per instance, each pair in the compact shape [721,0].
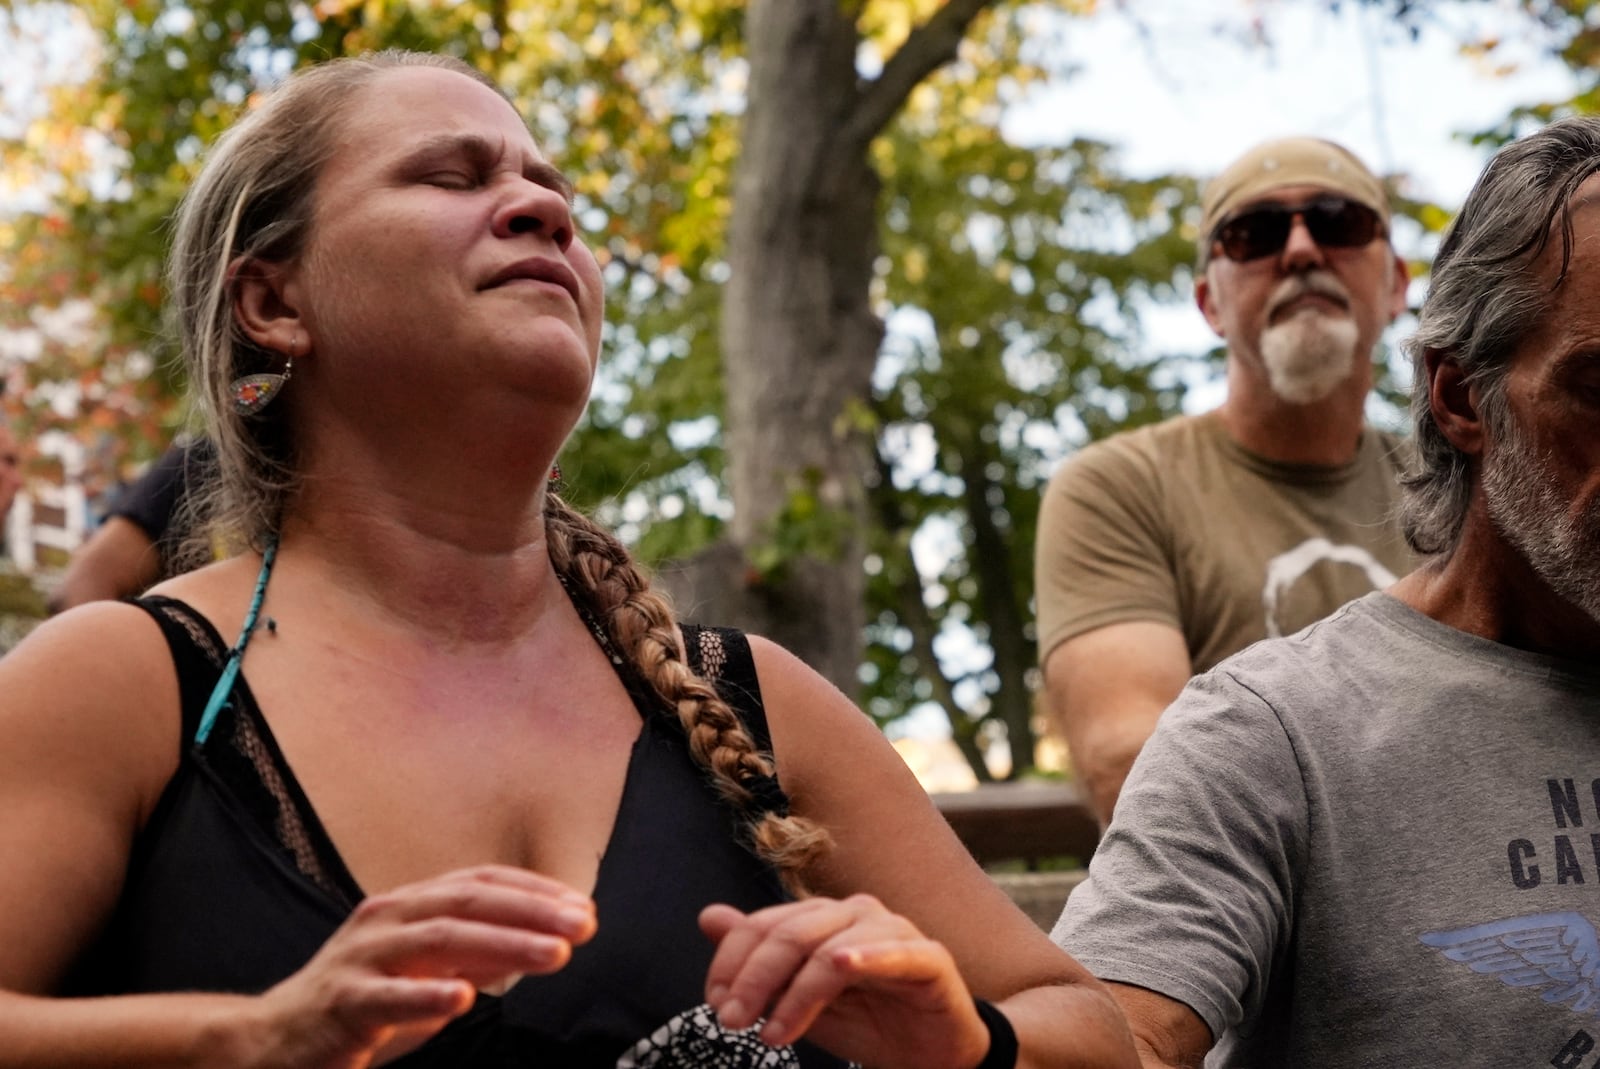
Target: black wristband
[1002,1037]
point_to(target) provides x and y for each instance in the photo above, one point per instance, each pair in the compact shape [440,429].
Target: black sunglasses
[1334,223]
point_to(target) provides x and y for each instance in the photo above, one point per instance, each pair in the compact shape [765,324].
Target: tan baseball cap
[1289,161]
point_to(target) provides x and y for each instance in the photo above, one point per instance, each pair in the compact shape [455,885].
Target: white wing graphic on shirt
[1559,952]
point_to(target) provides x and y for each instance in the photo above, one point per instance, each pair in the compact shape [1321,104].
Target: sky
[1173,83]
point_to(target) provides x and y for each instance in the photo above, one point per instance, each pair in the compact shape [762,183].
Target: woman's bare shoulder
[96,683]
[98,639]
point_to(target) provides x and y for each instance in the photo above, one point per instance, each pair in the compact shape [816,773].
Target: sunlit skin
[438,182]
[1485,586]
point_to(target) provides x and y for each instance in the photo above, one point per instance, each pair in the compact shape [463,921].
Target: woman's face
[442,254]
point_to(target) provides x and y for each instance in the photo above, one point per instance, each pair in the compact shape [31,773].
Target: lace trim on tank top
[290,824]
[202,639]
[713,656]
[243,755]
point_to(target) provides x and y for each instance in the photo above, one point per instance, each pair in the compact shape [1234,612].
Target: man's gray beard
[1308,355]
[1529,511]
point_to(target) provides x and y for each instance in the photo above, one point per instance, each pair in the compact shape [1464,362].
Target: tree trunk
[799,339]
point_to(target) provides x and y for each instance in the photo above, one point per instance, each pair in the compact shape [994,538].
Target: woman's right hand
[408,960]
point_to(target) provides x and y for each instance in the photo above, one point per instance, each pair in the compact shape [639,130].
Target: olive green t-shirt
[1177,523]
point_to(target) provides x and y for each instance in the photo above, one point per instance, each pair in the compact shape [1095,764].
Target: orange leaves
[328,9]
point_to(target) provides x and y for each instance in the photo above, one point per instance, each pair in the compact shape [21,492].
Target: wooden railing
[1027,823]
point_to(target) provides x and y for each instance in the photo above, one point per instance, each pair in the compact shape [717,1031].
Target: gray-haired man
[1377,842]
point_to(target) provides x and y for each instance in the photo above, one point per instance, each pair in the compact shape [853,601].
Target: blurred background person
[138,542]
[1164,549]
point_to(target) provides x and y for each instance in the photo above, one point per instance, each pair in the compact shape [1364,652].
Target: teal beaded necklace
[222,693]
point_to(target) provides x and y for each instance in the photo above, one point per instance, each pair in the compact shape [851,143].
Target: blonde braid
[640,622]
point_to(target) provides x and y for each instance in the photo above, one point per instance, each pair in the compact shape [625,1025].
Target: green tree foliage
[1022,343]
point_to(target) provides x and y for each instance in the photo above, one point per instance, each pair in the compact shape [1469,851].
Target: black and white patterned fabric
[694,1040]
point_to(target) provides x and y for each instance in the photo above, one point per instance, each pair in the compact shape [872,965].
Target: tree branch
[992,557]
[930,46]
[916,618]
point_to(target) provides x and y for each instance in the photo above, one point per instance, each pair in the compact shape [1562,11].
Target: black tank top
[233,884]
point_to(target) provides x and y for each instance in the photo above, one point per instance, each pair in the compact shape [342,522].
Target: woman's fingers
[846,963]
[906,961]
[484,925]
[395,1000]
[791,963]
[759,954]
[411,958]
[452,947]
[850,975]
[718,920]
[495,895]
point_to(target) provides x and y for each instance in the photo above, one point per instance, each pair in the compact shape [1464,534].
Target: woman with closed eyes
[425,773]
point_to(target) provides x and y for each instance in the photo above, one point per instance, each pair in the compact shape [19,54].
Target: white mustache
[1311,284]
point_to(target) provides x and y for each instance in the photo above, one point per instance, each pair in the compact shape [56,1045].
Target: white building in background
[49,517]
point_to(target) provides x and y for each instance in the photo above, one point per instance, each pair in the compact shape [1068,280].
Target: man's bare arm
[117,561]
[1106,688]
[1167,1034]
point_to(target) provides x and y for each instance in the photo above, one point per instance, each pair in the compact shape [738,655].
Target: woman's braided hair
[254,198]
[640,623]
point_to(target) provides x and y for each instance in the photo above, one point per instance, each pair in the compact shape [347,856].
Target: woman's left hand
[849,976]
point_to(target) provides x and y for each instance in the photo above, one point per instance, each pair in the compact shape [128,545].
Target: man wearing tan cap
[1165,549]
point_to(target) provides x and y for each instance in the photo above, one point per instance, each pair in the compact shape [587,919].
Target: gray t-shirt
[1376,842]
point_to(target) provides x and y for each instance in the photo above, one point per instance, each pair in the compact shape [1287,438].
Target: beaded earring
[251,393]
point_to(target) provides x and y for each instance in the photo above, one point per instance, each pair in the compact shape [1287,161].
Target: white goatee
[1308,355]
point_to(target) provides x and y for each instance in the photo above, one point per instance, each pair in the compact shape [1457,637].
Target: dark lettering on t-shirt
[1571,1055]
[1525,876]
[1567,868]
[1564,803]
